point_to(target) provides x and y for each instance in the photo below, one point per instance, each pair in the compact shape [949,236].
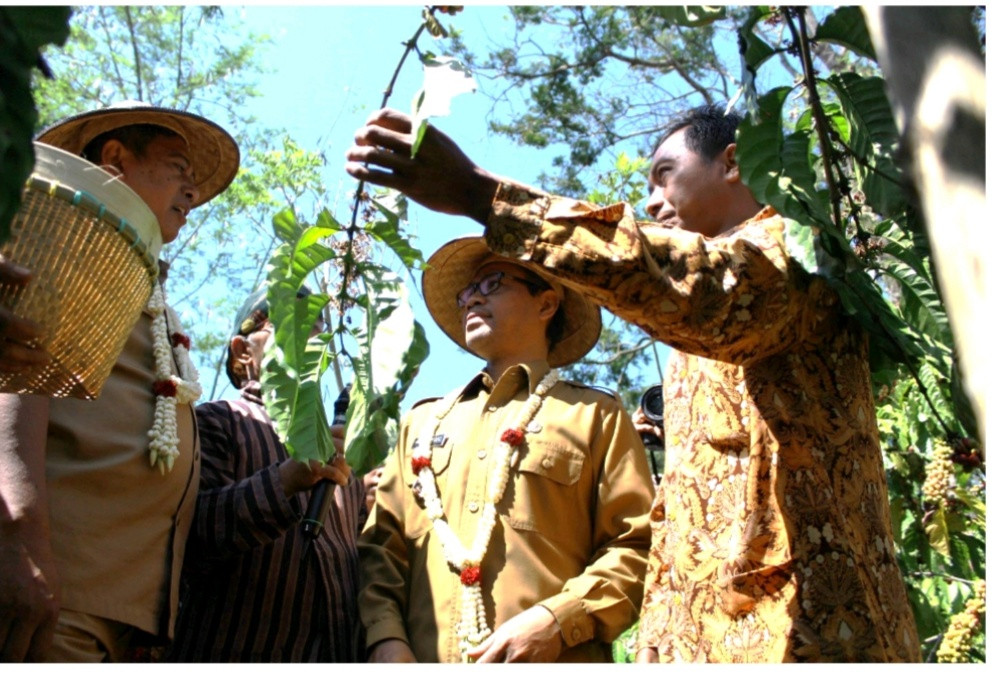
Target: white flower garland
[185,388]
[473,629]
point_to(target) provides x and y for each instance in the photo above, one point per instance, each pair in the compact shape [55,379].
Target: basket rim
[83,200]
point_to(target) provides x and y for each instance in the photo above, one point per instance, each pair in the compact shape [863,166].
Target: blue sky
[329,67]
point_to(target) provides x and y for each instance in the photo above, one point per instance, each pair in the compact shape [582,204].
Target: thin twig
[349,259]
[820,119]
[135,52]
[835,191]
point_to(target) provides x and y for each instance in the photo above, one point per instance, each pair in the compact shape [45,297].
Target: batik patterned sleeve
[235,511]
[729,298]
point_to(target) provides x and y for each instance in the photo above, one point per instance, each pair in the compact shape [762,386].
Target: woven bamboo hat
[215,156]
[452,266]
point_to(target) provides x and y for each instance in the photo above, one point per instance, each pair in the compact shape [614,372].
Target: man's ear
[114,154]
[240,348]
[731,171]
[550,303]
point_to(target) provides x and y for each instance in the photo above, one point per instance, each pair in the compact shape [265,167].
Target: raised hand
[441,177]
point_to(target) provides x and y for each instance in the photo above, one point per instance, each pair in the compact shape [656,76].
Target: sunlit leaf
[286,226]
[295,401]
[434,26]
[392,346]
[393,208]
[444,79]
[693,15]
[294,362]
[939,534]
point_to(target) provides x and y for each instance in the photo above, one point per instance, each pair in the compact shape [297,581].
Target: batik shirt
[771,536]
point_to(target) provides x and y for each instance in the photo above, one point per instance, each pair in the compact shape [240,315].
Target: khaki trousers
[81,637]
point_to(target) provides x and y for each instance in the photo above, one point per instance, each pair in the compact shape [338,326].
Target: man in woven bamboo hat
[98,495]
[511,522]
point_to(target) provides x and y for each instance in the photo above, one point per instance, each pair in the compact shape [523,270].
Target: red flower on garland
[470,576]
[513,437]
[165,387]
[182,339]
[418,463]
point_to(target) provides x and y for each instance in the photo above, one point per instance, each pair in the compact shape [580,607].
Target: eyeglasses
[487,286]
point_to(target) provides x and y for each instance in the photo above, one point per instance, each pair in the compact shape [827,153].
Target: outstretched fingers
[392,119]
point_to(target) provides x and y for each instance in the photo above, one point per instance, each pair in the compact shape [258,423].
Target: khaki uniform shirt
[118,526]
[771,534]
[572,531]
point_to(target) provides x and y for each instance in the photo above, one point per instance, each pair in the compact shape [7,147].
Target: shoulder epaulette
[600,389]
[425,400]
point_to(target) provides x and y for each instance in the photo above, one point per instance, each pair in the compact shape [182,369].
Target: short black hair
[134,137]
[708,129]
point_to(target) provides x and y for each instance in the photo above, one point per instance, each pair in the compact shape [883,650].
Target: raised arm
[441,177]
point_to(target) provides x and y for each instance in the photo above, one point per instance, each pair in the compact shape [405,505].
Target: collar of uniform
[512,380]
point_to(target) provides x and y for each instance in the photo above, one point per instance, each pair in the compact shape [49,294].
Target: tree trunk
[935,72]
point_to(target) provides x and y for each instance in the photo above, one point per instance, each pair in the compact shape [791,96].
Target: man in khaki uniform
[96,497]
[511,520]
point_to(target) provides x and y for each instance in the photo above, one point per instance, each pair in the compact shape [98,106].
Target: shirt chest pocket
[546,489]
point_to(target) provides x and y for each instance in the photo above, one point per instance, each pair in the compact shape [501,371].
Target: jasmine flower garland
[170,389]
[473,629]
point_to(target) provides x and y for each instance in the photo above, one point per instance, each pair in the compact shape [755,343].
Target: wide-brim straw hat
[215,157]
[451,268]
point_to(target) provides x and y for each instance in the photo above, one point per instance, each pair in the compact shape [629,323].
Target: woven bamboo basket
[91,244]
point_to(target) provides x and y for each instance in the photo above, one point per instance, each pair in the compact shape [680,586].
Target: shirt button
[492,408]
[534,427]
[576,634]
[547,463]
[473,506]
[481,454]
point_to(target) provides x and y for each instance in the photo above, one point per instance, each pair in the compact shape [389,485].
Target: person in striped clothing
[256,588]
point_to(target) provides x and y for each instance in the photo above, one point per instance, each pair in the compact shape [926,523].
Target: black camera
[652,404]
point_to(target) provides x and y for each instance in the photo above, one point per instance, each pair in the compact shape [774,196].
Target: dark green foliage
[836,171]
[24,31]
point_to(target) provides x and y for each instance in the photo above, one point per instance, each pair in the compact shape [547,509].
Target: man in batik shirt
[771,537]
